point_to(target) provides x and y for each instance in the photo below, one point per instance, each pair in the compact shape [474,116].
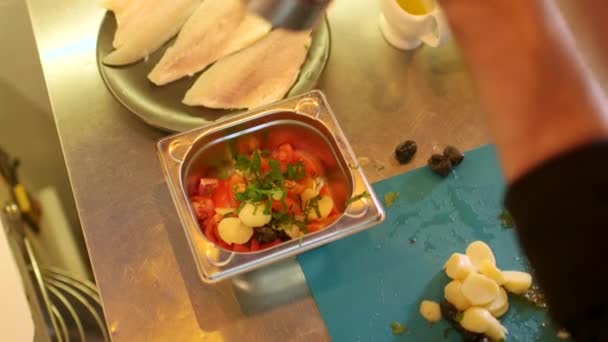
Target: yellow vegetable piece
[325,205]
[479,289]
[453,294]
[458,266]
[476,319]
[224,211]
[430,311]
[479,320]
[502,311]
[490,270]
[307,195]
[232,230]
[517,282]
[497,306]
[478,252]
[252,215]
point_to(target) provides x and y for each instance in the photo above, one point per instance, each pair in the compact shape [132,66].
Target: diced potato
[326,204]
[430,311]
[307,195]
[224,211]
[453,294]
[458,266]
[478,252]
[232,230]
[517,282]
[479,289]
[252,215]
[490,270]
[497,306]
[479,320]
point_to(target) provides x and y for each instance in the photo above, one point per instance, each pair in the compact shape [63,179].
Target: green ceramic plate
[161,106]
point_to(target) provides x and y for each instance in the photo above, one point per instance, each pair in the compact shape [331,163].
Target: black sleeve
[561,214]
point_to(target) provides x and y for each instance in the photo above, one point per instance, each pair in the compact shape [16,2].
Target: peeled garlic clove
[478,252]
[479,320]
[430,311]
[458,266]
[252,215]
[496,331]
[498,304]
[453,294]
[490,270]
[232,230]
[499,313]
[476,319]
[479,289]
[517,282]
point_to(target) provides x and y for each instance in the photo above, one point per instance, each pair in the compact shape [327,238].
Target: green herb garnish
[313,204]
[506,219]
[295,171]
[390,198]
[398,328]
[459,316]
[355,198]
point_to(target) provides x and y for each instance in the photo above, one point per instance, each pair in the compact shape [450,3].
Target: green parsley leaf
[355,198]
[295,171]
[390,198]
[242,163]
[398,328]
[313,203]
[256,162]
[459,316]
[506,219]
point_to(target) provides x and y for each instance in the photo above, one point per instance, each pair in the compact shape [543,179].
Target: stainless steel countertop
[145,273]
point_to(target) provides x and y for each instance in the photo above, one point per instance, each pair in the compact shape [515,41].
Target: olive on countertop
[453,154]
[405,151]
[440,164]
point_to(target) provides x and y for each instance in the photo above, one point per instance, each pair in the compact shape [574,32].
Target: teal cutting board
[363,283]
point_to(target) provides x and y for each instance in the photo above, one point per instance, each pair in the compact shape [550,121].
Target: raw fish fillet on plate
[260,74]
[144,25]
[216,29]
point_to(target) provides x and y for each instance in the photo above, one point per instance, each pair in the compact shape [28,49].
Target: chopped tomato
[224,196]
[284,154]
[246,145]
[210,228]
[325,191]
[237,182]
[293,205]
[203,207]
[313,166]
[255,245]
[240,248]
[265,165]
[315,226]
[294,188]
[207,186]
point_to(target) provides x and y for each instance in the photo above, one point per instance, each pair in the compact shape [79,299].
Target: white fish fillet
[143,26]
[260,74]
[216,29]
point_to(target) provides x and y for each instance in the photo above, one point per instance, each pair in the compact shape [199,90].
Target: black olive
[265,234]
[453,154]
[405,151]
[440,164]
